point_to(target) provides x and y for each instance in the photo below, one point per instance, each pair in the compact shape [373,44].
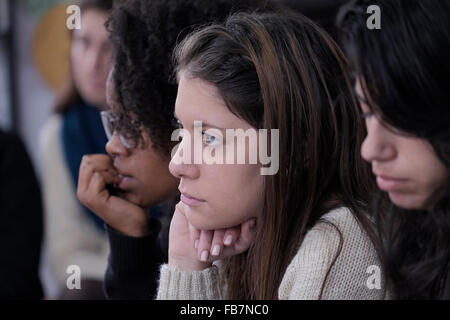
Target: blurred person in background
[75,235]
[21,227]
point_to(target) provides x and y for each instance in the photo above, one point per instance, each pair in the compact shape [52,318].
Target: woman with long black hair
[401,78]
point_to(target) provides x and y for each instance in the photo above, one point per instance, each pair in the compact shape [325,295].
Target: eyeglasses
[109,121]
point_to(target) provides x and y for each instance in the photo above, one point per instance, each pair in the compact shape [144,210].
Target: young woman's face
[91,57]
[215,195]
[147,180]
[407,168]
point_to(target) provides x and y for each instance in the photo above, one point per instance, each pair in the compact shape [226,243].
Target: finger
[99,161]
[84,176]
[93,163]
[248,231]
[204,245]
[195,235]
[110,177]
[217,243]
[97,185]
[95,193]
[231,235]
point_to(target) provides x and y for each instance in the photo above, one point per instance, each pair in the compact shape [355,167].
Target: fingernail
[228,240]
[204,256]
[216,250]
[196,244]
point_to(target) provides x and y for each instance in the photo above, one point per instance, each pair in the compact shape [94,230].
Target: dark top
[133,263]
[21,224]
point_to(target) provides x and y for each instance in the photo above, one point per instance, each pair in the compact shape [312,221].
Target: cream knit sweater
[355,275]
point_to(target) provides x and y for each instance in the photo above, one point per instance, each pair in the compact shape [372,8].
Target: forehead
[111,95]
[198,92]
[93,24]
[199,100]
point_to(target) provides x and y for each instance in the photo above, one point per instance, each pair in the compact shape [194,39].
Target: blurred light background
[26,94]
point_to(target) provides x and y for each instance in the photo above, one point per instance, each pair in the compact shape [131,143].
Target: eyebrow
[204,124]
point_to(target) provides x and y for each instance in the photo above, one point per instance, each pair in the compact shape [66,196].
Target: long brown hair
[68,94]
[281,71]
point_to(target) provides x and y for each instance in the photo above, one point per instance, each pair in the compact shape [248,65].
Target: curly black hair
[144,34]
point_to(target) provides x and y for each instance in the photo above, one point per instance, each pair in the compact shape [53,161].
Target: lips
[126,179]
[387,183]
[126,182]
[190,200]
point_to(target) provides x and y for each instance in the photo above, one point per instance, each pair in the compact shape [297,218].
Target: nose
[181,165]
[98,59]
[115,147]
[379,144]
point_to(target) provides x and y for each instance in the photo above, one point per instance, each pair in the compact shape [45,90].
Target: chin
[197,221]
[94,99]
[200,220]
[409,202]
[207,221]
[136,199]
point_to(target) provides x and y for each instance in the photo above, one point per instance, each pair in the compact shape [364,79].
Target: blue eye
[179,133]
[208,139]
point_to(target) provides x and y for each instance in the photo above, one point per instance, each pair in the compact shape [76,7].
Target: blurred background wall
[26,99]
[34,98]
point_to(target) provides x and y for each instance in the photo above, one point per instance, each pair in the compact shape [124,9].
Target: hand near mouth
[97,175]
[191,249]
